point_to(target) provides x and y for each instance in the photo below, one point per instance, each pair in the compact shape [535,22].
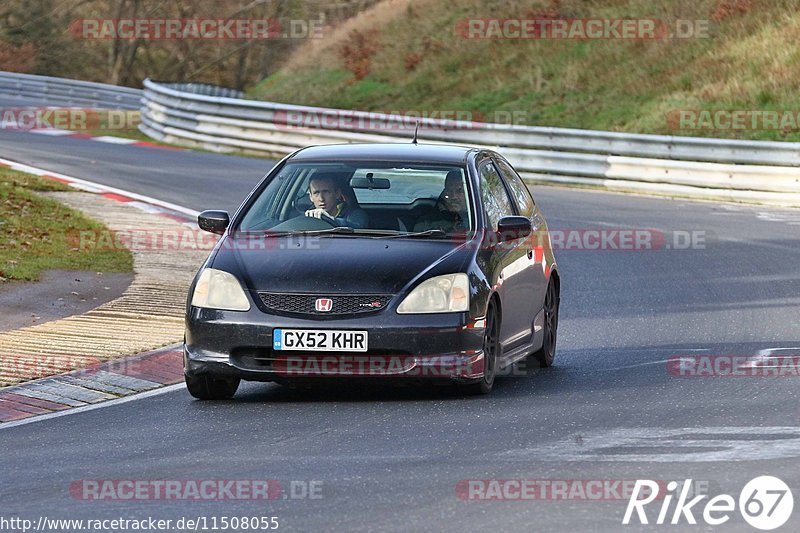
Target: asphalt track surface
[391,459]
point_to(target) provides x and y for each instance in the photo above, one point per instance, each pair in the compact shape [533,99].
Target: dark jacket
[354,217]
[442,219]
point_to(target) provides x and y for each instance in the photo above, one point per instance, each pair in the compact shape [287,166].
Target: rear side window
[495,198]
[518,189]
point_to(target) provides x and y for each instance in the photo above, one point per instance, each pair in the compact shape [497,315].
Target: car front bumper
[422,347]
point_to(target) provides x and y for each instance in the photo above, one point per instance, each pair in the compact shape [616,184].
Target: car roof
[420,153]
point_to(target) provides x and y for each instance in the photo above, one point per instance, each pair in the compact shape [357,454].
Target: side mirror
[513,228]
[213,221]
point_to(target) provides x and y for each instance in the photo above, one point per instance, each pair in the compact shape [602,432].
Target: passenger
[450,214]
[330,203]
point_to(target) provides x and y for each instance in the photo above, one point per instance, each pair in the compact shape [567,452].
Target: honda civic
[414,262]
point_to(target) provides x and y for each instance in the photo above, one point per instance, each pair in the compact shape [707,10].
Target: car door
[510,259]
[526,207]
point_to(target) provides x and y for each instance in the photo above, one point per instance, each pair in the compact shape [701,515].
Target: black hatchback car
[374,261]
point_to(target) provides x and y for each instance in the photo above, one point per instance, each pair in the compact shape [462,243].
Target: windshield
[406,199]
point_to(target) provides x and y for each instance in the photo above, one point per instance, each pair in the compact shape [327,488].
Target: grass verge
[35,232]
[403,55]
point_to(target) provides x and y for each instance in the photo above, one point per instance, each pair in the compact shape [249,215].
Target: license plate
[319,340]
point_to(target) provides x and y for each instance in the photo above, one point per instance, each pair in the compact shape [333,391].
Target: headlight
[442,294]
[219,290]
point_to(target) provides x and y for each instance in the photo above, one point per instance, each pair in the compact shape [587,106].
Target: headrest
[453,174]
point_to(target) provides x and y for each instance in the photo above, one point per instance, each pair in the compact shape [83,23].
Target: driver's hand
[319,213]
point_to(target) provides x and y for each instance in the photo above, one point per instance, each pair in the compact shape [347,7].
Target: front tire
[205,387]
[547,354]
[491,354]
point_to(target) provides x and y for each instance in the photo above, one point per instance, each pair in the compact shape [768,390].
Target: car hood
[335,264]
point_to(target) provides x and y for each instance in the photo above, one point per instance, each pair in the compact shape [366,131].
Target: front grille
[305,304]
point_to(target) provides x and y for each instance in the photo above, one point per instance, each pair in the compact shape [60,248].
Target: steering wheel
[302,223]
[328,223]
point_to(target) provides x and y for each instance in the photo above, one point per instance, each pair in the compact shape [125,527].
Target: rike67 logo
[766,503]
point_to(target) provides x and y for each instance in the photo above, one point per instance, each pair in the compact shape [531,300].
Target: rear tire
[546,355]
[491,354]
[205,387]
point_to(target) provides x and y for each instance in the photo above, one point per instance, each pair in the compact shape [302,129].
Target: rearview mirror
[370,183]
[213,221]
[512,228]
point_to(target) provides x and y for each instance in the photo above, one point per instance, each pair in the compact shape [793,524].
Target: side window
[496,201]
[519,190]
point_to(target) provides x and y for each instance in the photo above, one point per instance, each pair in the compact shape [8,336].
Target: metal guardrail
[221,119]
[65,92]
[767,172]
[203,89]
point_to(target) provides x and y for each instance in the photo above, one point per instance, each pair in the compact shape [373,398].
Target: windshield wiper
[336,229]
[426,233]
[377,233]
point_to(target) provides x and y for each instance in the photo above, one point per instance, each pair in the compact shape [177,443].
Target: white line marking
[747,242]
[668,445]
[147,207]
[114,140]
[768,351]
[640,364]
[763,358]
[92,407]
[652,362]
[52,131]
[99,187]
[87,188]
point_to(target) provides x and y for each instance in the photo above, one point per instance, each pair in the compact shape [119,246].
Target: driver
[330,204]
